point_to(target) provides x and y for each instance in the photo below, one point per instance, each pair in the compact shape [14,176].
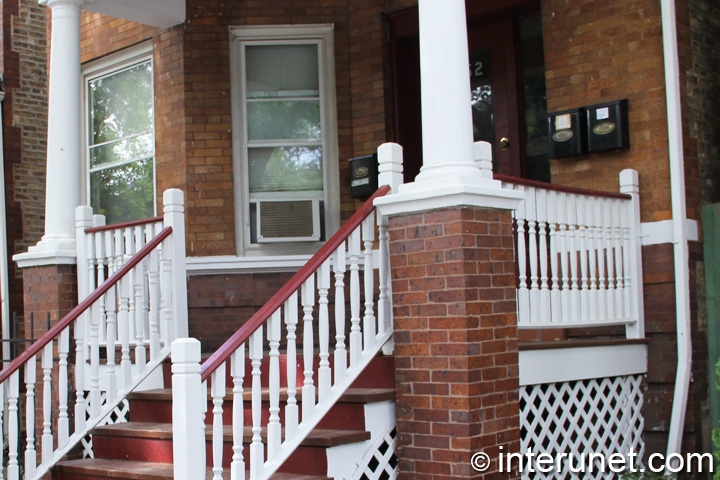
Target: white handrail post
[390,172]
[174,216]
[187,411]
[83,220]
[390,165]
[629,184]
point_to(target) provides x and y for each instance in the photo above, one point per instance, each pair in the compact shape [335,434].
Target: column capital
[57,3]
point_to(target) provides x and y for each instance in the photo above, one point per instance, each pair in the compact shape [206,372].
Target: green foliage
[644,476]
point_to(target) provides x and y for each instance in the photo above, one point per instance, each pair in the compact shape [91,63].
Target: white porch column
[62,193]
[450,175]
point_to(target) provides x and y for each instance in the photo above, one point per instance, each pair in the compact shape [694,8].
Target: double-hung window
[285,142]
[119,136]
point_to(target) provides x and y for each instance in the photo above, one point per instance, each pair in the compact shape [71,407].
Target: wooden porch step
[163,431]
[351,395]
[101,469]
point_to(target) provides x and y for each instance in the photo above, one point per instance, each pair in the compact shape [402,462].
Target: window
[120,138]
[284,135]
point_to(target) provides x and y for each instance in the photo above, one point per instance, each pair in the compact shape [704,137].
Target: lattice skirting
[380,461]
[118,415]
[602,415]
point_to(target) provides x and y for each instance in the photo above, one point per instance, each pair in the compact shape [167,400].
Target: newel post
[187,411]
[629,184]
[174,216]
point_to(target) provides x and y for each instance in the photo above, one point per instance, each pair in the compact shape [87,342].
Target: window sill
[225,264]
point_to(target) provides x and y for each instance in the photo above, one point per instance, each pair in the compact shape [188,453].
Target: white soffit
[156,13]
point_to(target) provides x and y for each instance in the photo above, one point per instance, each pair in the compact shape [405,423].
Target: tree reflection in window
[121,143]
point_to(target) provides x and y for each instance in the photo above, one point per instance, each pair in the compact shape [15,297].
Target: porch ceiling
[156,13]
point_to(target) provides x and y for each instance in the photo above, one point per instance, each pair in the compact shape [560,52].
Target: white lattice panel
[120,414]
[601,415]
[380,461]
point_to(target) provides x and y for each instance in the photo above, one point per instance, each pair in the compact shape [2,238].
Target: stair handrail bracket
[579,261]
[325,352]
[126,316]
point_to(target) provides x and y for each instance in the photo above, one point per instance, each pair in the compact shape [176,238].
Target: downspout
[4,272]
[680,238]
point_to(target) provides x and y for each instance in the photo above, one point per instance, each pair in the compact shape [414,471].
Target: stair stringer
[322,408]
[350,461]
[76,438]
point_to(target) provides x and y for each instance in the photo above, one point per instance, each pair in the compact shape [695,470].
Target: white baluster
[237,371]
[308,389]
[154,288]
[47,365]
[594,294]
[324,373]
[584,278]
[95,398]
[218,394]
[531,211]
[543,209]
[13,469]
[167,328]
[384,305]
[81,327]
[355,331]
[571,205]
[369,329]
[130,251]
[610,257]
[63,425]
[274,432]
[110,304]
[30,452]
[619,301]
[124,331]
[291,408]
[600,247]
[562,198]
[340,350]
[140,311]
[523,292]
[256,447]
[555,252]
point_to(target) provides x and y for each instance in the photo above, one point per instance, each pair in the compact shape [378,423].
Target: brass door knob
[504,143]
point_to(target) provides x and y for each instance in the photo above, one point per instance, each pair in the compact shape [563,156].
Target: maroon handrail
[244,332]
[56,329]
[129,223]
[560,188]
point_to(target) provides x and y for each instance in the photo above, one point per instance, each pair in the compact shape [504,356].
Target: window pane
[126,150]
[285,169]
[125,192]
[284,119]
[121,104]
[282,70]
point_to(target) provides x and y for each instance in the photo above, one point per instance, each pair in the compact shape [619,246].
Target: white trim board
[581,363]
[655,233]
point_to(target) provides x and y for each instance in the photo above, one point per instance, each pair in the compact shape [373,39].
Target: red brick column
[48,289]
[456,348]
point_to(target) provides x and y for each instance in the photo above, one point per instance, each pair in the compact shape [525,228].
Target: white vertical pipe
[4,269]
[680,241]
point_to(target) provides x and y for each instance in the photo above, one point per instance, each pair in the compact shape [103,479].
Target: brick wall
[456,348]
[703,83]
[24,66]
[596,52]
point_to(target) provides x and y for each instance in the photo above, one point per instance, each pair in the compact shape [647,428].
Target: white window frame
[323,36]
[115,62]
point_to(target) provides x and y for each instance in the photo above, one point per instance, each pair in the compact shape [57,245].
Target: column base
[55,250]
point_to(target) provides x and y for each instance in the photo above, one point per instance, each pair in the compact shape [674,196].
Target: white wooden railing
[579,256]
[137,292]
[344,265]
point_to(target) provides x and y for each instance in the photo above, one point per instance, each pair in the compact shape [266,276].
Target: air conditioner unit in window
[288,220]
